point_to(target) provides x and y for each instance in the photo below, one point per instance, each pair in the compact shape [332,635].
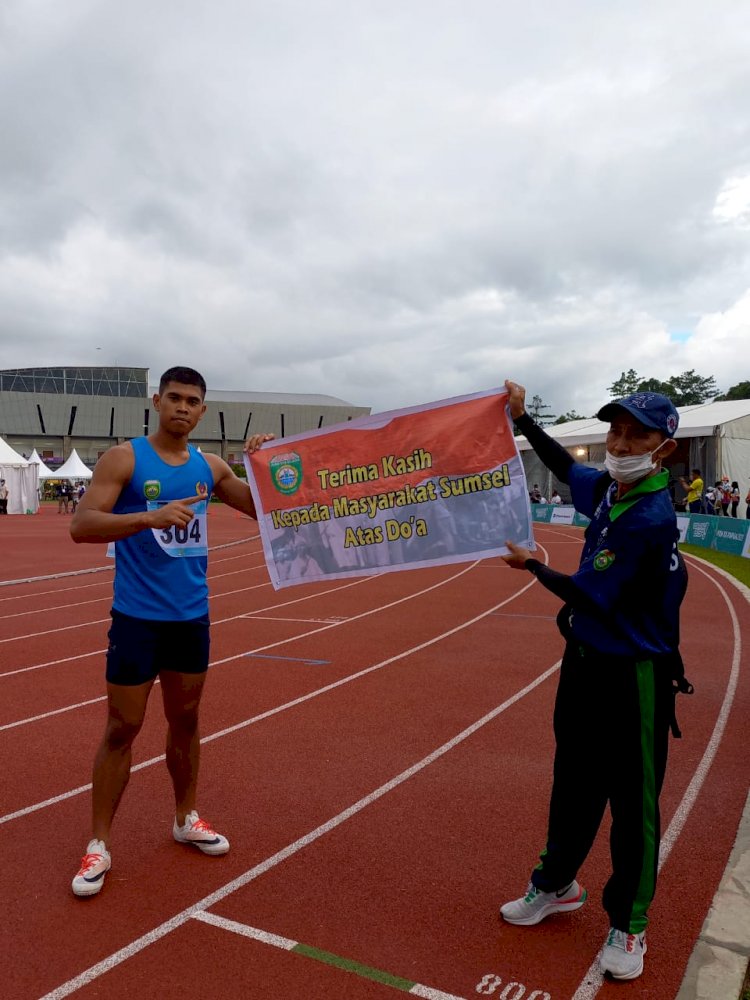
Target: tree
[739,391]
[655,385]
[626,384]
[570,415]
[535,411]
[684,390]
[690,388]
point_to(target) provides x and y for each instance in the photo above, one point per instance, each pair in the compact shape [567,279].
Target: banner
[429,485]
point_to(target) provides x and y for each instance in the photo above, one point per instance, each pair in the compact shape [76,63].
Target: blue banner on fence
[723,534]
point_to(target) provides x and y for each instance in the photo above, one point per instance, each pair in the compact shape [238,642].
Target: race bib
[186,540]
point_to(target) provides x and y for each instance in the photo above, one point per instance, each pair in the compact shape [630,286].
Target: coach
[620,670]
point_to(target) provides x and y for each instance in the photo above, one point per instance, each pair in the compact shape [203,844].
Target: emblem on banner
[286,472]
[151,489]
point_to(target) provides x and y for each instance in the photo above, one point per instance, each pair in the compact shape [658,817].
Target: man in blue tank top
[620,671]
[149,497]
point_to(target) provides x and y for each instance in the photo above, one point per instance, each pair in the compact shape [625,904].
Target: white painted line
[26,810]
[429,994]
[265,937]
[54,711]
[157,933]
[218,621]
[52,663]
[101,569]
[245,930]
[593,979]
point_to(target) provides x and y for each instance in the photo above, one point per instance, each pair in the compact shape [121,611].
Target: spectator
[4,494]
[747,501]
[555,498]
[734,497]
[725,495]
[712,499]
[694,491]
[62,492]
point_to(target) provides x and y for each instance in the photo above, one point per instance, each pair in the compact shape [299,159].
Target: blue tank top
[161,573]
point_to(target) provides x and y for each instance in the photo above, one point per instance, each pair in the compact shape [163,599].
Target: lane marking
[64,574]
[163,929]
[326,957]
[593,980]
[108,597]
[218,621]
[108,584]
[52,663]
[252,615]
[54,711]
[290,659]
[54,800]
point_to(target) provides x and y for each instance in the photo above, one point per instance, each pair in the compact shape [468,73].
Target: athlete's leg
[181,694]
[126,708]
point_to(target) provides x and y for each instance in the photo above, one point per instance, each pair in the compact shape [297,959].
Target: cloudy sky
[390,201]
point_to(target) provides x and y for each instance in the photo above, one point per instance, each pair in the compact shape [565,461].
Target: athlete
[620,671]
[150,497]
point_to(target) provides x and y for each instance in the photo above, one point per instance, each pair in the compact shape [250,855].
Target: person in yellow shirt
[694,491]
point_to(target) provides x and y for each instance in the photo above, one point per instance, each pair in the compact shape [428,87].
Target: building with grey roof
[90,408]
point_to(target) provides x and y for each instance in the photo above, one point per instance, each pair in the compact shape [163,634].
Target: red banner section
[433,484]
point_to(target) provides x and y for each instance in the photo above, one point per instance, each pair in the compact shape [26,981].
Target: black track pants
[611,721]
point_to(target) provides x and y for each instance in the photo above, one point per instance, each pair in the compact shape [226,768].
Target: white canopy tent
[715,438]
[73,468]
[42,471]
[20,478]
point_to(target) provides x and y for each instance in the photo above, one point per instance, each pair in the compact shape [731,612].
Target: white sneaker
[95,864]
[622,954]
[537,905]
[198,832]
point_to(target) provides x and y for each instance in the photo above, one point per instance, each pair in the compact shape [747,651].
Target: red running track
[378,751]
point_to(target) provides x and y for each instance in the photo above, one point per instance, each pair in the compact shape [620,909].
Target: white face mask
[630,468]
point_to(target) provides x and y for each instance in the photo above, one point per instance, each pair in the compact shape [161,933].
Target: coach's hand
[176,513]
[517,556]
[516,398]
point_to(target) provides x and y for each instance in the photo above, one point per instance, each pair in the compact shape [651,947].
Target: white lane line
[218,621]
[310,952]
[328,623]
[54,711]
[26,810]
[102,569]
[108,597]
[52,663]
[593,980]
[245,930]
[108,584]
[162,930]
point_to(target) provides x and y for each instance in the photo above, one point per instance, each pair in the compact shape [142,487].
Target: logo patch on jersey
[286,472]
[201,488]
[151,489]
[604,559]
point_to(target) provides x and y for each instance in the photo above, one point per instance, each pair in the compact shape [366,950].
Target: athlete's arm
[94,520]
[230,488]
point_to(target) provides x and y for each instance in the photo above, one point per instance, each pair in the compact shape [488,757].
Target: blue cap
[649,408]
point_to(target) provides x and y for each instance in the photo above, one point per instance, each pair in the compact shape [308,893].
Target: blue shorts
[140,648]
